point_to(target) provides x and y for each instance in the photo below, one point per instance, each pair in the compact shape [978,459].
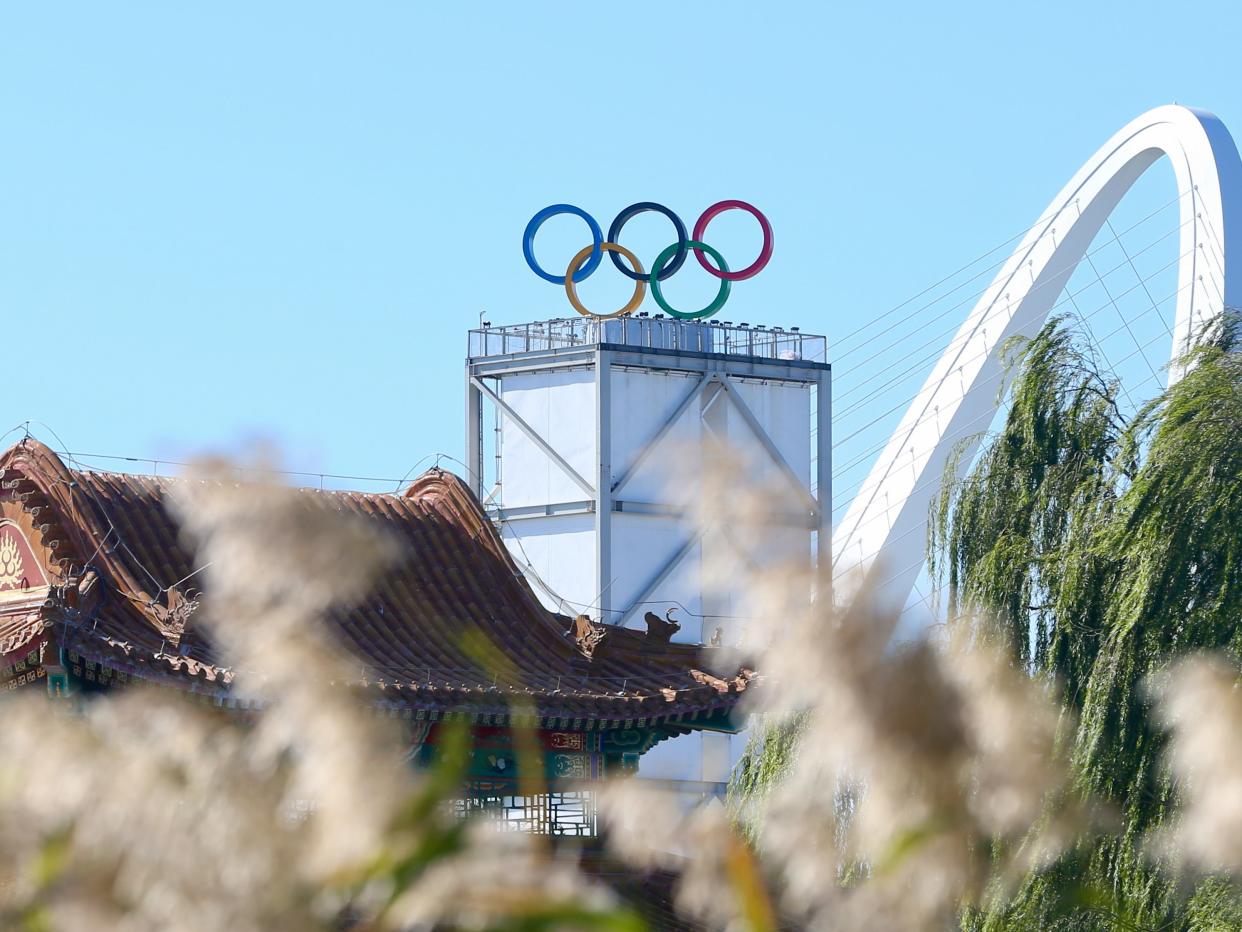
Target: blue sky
[278,221]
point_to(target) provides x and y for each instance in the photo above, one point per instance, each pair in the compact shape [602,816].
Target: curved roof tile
[455,578]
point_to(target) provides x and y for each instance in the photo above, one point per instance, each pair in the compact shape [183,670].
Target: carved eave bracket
[587,635]
[173,613]
[35,549]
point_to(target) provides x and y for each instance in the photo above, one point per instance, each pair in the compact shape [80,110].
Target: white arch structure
[884,530]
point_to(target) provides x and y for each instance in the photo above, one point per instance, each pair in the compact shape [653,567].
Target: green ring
[658,266]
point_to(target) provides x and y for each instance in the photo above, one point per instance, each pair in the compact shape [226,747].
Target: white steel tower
[598,433]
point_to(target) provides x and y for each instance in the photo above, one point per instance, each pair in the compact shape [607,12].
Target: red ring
[700,227]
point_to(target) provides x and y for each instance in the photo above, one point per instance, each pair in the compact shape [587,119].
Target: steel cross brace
[534,438]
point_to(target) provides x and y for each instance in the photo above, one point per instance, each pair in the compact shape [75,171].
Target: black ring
[633,211]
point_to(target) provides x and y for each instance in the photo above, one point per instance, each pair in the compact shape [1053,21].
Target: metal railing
[658,332]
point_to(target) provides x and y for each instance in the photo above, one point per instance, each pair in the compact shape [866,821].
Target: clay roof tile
[456,577]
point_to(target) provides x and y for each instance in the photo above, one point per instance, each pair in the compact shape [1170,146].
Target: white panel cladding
[753,561]
[642,545]
[784,411]
[561,551]
[714,757]
[559,406]
[642,402]
[679,758]
[700,755]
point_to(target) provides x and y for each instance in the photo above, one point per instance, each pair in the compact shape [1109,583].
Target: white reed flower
[1199,701]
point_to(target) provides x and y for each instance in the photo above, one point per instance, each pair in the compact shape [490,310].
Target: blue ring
[528,242]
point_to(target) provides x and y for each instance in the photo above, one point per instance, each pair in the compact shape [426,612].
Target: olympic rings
[764,254]
[668,262]
[640,284]
[614,234]
[528,242]
[721,296]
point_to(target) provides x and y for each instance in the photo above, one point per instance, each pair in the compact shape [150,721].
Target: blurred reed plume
[890,784]
[910,778]
[146,811]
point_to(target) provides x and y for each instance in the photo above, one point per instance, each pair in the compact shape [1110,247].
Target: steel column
[823,480]
[474,437]
[603,483]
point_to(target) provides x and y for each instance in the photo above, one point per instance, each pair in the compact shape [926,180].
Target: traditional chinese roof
[120,589]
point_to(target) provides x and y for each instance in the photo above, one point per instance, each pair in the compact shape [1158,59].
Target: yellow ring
[640,286]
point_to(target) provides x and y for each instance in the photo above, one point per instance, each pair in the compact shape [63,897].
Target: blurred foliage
[1106,547]
[1099,547]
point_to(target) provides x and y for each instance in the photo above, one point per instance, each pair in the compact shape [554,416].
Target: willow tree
[1106,545]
